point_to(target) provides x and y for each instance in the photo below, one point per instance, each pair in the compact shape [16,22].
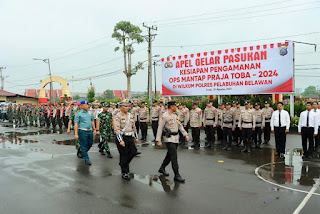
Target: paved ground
[40,173]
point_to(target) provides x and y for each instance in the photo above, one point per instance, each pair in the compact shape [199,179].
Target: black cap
[309,103]
[246,102]
[155,101]
[183,104]
[266,102]
[161,102]
[280,103]
[227,103]
[234,101]
[143,102]
[195,103]
[257,104]
[220,104]
[210,101]
[237,102]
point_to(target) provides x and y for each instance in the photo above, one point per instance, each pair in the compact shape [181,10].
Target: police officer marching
[171,124]
[127,136]
[135,113]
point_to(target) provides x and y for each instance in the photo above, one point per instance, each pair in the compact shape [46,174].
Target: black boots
[163,171]
[126,176]
[178,178]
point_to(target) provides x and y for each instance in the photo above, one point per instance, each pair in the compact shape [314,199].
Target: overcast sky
[76,36]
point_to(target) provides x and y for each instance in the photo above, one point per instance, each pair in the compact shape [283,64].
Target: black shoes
[229,148]
[224,147]
[79,154]
[163,171]
[179,179]
[109,155]
[126,176]
[138,153]
[101,152]
[244,149]
[87,162]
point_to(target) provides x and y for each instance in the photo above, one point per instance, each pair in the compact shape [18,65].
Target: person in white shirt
[315,106]
[280,124]
[308,128]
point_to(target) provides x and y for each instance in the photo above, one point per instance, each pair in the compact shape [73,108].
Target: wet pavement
[40,172]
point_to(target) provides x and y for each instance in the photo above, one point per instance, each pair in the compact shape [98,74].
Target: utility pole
[149,38]
[155,80]
[51,88]
[2,77]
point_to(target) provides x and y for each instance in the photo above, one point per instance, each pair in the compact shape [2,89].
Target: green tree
[65,98]
[310,90]
[128,34]
[76,97]
[108,95]
[91,95]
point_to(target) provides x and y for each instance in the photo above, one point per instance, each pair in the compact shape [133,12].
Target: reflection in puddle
[159,183]
[292,169]
[65,142]
[16,143]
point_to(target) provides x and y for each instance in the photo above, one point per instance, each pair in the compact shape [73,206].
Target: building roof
[6,93]
[9,94]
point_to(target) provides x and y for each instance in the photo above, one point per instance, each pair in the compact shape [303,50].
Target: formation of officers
[170,124]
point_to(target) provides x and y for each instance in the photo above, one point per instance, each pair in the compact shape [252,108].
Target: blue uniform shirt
[84,119]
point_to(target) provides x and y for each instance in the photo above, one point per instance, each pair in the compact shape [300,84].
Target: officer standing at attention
[219,130]
[186,123]
[308,129]
[83,127]
[247,122]
[210,121]
[280,124]
[135,113]
[267,112]
[170,124]
[181,117]
[228,121]
[196,124]
[260,123]
[127,136]
[155,114]
[238,136]
[144,119]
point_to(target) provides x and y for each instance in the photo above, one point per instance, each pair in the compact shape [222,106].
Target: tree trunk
[125,56]
[129,86]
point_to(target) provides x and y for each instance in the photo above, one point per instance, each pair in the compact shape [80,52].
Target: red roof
[6,93]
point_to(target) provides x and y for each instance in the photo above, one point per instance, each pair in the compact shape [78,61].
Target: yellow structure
[6,96]
[63,82]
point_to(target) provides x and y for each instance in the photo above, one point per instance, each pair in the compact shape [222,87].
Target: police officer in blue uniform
[84,129]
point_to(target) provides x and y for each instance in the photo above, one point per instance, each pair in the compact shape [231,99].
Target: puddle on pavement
[291,170]
[16,143]
[159,183]
[64,142]
[40,132]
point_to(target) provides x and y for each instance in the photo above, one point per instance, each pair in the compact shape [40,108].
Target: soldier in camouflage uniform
[9,113]
[70,126]
[24,115]
[104,123]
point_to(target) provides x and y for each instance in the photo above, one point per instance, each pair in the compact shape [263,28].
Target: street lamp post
[51,88]
[155,78]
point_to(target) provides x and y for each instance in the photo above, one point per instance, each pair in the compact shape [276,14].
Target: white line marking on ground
[256,171]
[306,199]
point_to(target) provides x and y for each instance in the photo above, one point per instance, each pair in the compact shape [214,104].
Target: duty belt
[268,118]
[155,117]
[143,118]
[210,119]
[246,122]
[227,122]
[128,133]
[84,129]
[174,133]
[258,122]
